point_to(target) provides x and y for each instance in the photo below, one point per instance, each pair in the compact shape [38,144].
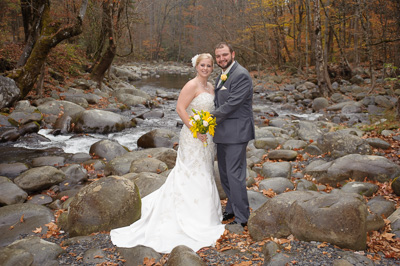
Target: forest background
[327,38]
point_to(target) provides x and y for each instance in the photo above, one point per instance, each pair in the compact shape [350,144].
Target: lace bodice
[204,101]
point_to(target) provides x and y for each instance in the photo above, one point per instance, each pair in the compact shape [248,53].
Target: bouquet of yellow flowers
[202,122]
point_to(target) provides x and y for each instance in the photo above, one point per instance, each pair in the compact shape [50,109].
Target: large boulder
[34,216]
[183,255]
[148,182]
[9,92]
[148,165]
[354,166]
[158,138]
[15,256]
[10,193]
[340,218]
[39,178]
[136,255]
[107,149]
[339,144]
[105,204]
[121,165]
[60,107]
[396,185]
[44,252]
[100,121]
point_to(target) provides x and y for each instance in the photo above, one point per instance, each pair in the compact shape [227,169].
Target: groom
[235,128]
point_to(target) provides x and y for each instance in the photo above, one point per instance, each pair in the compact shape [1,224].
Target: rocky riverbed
[322,191]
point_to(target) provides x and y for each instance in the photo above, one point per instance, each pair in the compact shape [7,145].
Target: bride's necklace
[204,86]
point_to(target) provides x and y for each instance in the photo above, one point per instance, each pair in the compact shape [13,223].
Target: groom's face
[224,57]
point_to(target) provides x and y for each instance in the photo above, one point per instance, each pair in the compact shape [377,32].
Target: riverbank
[289,156]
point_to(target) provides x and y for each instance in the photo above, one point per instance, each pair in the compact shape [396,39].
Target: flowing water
[72,143]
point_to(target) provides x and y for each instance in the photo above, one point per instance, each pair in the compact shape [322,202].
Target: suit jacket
[234,107]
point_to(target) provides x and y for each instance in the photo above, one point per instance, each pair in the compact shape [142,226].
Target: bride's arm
[186,96]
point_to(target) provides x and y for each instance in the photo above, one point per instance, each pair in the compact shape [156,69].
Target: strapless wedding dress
[186,209]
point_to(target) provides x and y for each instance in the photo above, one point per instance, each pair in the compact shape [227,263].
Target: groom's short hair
[222,44]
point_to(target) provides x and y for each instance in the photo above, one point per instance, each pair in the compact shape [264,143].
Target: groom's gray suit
[235,128]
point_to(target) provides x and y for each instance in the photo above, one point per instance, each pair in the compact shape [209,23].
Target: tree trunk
[100,68]
[51,35]
[32,25]
[323,78]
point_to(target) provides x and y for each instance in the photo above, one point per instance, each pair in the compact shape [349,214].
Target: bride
[186,210]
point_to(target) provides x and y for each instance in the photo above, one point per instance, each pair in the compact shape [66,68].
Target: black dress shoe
[226,216]
[242,224]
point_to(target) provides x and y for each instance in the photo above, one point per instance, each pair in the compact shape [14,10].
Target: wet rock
[9,134]
[381,206]
[44,252]
[304,185]
[319,103]
[40,199]
[39,178]
[339,144]
[286,155]
[9,92]
[278,169]
[15,256]
[4,120]
[266,143]
[56,161]
[12,170]
[21,118]
[125,74]
[75,173]
[383,101]
[357,79]
[396,185]
[308,131]
[361,188]
[57,107]
[10,193]
[182,256]
[32,127]
[151,114]
[158,138]
[81,101]
[62,125]
[92,210]
[279,259]
[148,165]
[34,216]
[99,121]
[277,184]
[355,166]
[136,255]
[107,149]
[24,155]
[375,222]
[256,199]
[148,182]
[378,143]
[294,144]
[339,219]
[94,256]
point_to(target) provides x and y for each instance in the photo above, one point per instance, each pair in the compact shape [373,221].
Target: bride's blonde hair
[204,56]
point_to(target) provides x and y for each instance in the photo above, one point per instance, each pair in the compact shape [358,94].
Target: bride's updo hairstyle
[197,58]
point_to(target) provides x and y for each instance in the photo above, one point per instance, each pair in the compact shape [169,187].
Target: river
[72,143]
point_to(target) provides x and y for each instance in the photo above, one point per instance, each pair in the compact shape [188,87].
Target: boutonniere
[224,77]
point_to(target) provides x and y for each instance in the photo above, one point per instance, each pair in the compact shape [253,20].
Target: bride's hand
[202,137]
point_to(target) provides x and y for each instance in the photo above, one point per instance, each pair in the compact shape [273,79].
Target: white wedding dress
[186,209]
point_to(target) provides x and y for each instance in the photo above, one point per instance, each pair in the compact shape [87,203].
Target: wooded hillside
[296,35]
